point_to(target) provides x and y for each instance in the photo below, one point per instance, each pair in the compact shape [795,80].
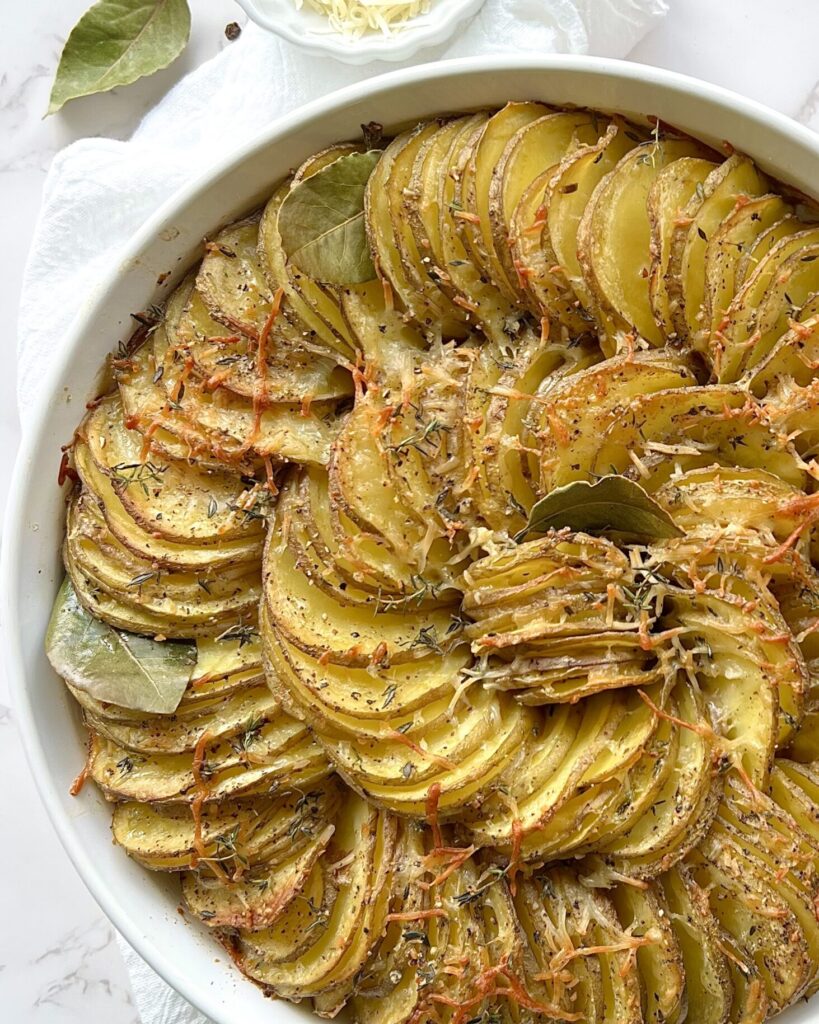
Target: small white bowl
[311,31]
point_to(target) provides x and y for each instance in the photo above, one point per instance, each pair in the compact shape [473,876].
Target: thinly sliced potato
[725,248]
[565,199]
[407,269]
[708,985]
[177,500]
[433,761]
[486,151]
[540,144]
[613,239]
[668,199]
[732,184]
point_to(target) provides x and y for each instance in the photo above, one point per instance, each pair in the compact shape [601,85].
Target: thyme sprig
[244,634]
[427,637]
[429,431]
[423,589]
[140,473]
[486,880]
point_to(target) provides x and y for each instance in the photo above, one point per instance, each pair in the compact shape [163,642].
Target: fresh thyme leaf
[423,588]
[126,474]
[428,637]
[143,577]
[433,429]
[116,42]
[321,222]
[244,634]
[474,892]
[614,504]
[249,735]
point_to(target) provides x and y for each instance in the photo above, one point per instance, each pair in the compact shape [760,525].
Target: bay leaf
[116,42]
[321,222]
[614,504]
[120,668]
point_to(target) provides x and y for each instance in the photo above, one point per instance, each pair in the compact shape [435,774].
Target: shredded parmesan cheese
[355,18]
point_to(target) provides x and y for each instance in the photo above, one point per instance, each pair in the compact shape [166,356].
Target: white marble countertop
[59,963]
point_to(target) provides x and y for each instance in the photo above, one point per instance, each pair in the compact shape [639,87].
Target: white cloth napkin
[98,191]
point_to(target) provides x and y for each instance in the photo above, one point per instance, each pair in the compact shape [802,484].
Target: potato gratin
[441,594]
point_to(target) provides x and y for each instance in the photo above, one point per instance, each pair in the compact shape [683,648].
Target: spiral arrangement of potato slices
[433,765]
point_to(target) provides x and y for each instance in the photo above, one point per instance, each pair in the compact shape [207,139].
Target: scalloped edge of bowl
[425,31]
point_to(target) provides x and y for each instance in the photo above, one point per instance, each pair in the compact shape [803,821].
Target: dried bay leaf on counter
[121,668]
[116,42]
[321,222]
[613,504]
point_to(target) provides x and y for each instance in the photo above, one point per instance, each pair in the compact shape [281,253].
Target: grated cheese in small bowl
[360,31]
[354,18]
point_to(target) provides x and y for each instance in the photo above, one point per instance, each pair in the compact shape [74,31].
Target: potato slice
[297,432]
[668,199]
[554,770]
[422,209]
[733,183]
[488,308]
[255,900]
[613,239]
[232,289]
[682,809]
[756,917]
[379,998]
[730,353]
[596,921]
[237,715]
[565,199]
[179,597]
[644,913]
[361,488]
[284,753]
[395,250]
[726,245]
[366,838]
[166,429]
[699,427]
[708,985]
[346,635]
[553,937]
[312,309]
[177,500]
[582,405]
[233,834]
[388,344]
[380,693]
[535,146]
[361,559]
[486,152]
[736,683]
[169,554]
[498,389]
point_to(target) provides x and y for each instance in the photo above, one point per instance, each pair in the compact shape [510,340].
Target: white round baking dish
[143,906]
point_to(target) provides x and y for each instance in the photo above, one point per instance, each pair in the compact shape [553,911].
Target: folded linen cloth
[99,191]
